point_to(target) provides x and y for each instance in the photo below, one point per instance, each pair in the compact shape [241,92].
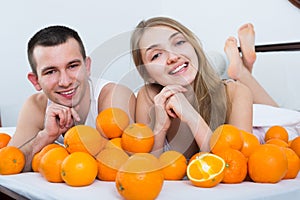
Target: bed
[31,185]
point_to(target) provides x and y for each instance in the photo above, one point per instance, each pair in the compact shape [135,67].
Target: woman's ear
[34,80]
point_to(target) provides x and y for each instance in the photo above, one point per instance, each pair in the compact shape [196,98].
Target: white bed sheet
[34,186]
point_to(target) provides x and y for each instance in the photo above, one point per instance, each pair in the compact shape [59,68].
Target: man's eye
[73,66]
[49,72]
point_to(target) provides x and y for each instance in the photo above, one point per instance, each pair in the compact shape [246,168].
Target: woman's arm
[181,107]
[146,112]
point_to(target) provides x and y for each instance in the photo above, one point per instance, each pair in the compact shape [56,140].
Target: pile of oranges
[244,158]
[119,151]
[113,151]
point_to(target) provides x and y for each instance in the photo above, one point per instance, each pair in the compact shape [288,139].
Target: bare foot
[246,36]
[236,65]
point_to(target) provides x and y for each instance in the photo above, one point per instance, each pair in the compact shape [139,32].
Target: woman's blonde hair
[211,97]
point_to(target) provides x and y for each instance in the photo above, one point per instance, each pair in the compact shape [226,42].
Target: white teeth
[178,68]
[69,92]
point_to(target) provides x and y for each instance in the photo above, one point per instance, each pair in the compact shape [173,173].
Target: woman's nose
[172,57]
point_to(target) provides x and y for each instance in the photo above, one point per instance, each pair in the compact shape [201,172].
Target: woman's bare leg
[238,71]
[246,36]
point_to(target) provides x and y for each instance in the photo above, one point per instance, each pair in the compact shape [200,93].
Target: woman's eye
[155,56]
[180,42]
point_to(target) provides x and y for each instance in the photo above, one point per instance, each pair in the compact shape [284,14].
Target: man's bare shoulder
[38,100]
[31,118]
[108,88]
[116,95]
[34,108]
[115,89]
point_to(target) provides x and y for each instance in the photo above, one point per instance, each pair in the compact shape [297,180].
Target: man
[61,71]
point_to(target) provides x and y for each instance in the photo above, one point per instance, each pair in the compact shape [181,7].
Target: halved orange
[206,170]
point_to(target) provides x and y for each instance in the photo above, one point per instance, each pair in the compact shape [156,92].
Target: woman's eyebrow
[151,47]
[156,45]
[174,34]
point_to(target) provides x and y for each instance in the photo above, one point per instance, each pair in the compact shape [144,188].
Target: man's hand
[58,119]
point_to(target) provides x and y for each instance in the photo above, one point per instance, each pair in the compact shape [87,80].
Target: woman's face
[168,57]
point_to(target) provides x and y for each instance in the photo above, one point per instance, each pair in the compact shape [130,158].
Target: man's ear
[34,80]
[88,63]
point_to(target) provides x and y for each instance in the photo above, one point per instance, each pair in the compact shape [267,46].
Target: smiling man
[61,74]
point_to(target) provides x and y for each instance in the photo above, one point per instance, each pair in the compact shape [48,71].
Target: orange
[226,136]
[278,142]
[140,177]
[267,164]
[293,164]
[4,139]
[114,143]
[235,165]
[295,145]
[35,163]
[109,162]
[50,164]
[196,155]
[111,122]
[290,142]
[206,170]
[85,139]
[137,138]
[79,169]
[12,160]
[277,132]
[250,143]
[174,165]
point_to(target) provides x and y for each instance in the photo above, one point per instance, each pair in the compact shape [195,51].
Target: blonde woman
[183,98]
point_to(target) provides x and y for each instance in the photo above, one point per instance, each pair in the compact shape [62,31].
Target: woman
[184,99]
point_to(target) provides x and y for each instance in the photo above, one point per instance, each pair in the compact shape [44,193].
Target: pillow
[264,115]
[218,62]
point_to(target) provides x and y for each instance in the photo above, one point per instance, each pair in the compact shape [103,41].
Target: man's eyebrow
[74,61]
[53,67]
[47,68]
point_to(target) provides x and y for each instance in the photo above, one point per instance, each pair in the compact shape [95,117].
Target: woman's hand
[162,114]
[179,106]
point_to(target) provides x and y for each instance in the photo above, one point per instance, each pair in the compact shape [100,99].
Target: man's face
[62,73]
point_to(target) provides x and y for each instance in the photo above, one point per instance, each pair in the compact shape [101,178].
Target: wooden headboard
[291,46]
[295,3]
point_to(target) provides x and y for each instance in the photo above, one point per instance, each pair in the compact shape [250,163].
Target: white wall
[105,26]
